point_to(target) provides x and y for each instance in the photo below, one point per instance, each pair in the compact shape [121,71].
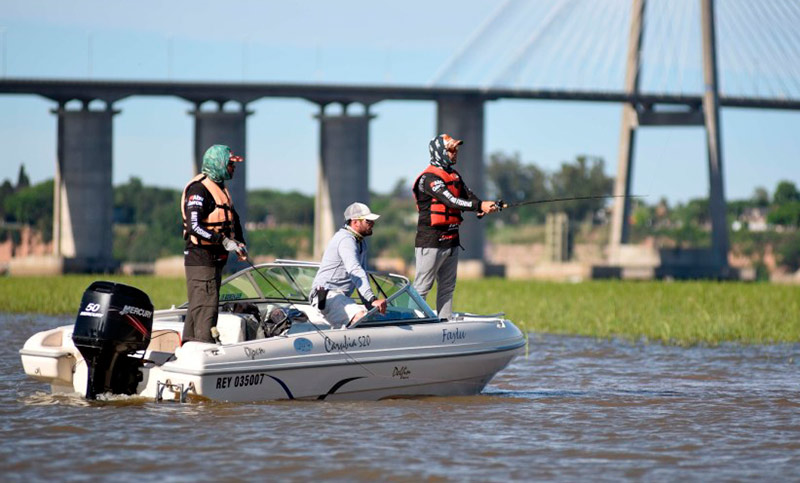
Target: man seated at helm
[343,270]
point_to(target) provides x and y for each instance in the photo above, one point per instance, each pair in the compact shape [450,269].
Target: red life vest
[441,215]
[218,221]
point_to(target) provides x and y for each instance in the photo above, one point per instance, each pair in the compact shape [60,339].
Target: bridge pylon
[343,171]
[463,118]
[712,262]
[83,197]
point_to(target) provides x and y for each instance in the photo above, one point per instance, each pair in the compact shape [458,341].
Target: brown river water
[574,409]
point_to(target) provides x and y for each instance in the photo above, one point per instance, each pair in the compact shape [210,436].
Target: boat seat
[235,328]
[313,314]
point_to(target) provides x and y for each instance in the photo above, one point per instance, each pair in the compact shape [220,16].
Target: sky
[380,43]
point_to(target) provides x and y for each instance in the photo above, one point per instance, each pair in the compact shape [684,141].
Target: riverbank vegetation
[682,313]
[764,229]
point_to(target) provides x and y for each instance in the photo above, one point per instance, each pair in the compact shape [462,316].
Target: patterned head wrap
[439,147]
[215,162]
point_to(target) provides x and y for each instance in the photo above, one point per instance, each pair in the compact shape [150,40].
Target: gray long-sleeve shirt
[343,266]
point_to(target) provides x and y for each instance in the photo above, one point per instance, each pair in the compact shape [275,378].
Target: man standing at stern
[343,270]
[211,229]
[441,196]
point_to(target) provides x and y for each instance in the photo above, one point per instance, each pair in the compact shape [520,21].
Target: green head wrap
[215,163]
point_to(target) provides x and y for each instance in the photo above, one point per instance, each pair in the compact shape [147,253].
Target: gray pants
[202,289]
[441,265]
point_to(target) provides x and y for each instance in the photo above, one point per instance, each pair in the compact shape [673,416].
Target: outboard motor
[114,321]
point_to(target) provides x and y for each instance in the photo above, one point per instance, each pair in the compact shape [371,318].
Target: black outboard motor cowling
[114,321]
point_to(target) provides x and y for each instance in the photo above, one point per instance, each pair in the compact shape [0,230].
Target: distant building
[754,219]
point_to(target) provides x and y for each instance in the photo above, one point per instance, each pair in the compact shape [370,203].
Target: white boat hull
[432,359]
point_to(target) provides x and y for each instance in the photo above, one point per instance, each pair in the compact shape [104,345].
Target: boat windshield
[293,282]
[285,281]
[404,305]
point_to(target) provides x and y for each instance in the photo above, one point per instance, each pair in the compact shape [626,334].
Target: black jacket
[200,203]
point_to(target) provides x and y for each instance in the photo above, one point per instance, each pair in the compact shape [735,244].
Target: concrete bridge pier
[84,197]
[230,129]
[343,173]
[463,118]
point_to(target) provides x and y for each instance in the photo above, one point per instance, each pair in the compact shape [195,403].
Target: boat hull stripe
[337,386]
[283,385]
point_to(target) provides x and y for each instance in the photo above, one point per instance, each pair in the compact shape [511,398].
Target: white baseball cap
[359,211]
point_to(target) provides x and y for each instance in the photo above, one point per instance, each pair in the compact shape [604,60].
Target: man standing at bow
[441,196]
[211,229]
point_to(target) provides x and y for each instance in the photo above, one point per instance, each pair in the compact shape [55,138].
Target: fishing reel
[500,204]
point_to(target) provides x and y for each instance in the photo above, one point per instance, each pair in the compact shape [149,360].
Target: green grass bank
[62,295]
[671,312]
[682,313]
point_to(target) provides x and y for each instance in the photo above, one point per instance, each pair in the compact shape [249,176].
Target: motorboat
[120,345]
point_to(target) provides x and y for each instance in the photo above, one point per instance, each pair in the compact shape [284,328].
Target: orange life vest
[218,221]
[441,215]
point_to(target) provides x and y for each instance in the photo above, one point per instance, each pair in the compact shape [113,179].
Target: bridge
[85,110]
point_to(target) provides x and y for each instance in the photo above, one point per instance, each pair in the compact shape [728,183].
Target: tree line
[147,222]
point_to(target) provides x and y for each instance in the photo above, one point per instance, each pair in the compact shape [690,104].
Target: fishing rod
[501,205]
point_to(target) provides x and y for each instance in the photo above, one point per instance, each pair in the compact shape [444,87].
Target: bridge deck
[111,91]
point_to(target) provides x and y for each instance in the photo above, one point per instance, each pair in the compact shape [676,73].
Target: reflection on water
[575,409]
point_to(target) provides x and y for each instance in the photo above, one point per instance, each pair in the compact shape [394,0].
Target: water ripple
[575,409]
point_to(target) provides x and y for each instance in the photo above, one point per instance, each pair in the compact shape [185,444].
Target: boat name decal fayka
[453,335]
[346,343]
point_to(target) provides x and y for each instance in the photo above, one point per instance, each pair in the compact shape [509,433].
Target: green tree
[760,197]
[6,190]
[786,192]
[281,241]
[33,206]
[785,214]
[514,181]
[148,222]
[281,208]
[788,251]
[22,178]
[402,190]
[583,177]
[396,229]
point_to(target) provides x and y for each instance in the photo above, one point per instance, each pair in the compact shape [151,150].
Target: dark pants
[202,287]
